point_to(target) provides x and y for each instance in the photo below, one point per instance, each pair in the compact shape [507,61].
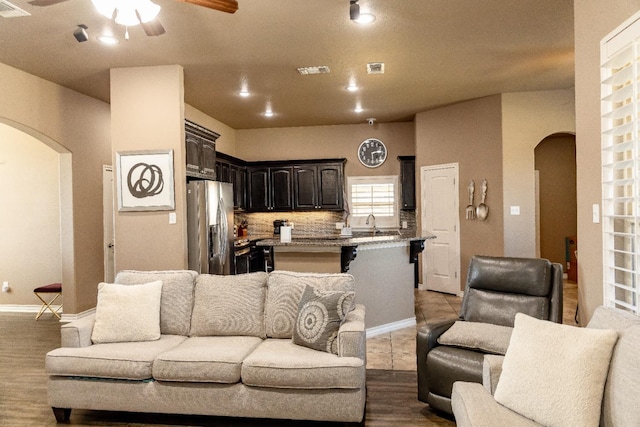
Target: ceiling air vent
[322,69]
[375,68]
[8,10]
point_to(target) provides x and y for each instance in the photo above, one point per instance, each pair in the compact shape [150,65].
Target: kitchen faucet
[373,226]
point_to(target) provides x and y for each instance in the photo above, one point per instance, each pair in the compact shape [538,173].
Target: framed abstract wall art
[145,180]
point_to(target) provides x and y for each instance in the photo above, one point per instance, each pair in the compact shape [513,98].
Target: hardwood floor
[391,378]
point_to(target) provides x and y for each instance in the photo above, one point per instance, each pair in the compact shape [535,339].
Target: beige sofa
[474,404]
[225,349]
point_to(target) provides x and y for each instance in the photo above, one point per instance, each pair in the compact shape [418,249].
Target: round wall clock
[372,153]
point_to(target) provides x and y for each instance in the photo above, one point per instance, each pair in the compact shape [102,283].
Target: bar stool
[53,288]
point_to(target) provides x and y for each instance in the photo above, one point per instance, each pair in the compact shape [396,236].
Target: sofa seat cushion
[205,359]
[280,363]
[124,360]
[486,337]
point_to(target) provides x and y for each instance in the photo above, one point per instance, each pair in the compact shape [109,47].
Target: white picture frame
[145,180]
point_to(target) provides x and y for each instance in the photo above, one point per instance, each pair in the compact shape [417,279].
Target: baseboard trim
[390,327]
[34,309]
[422,287]
[71,317]
[23,308]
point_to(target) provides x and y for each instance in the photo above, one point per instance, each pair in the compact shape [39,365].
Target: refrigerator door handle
[224,230]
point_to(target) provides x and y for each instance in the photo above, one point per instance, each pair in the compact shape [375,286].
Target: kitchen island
[384,267]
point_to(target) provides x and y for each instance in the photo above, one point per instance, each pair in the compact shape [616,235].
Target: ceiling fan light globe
[104,7]
[127,11]
[127,17]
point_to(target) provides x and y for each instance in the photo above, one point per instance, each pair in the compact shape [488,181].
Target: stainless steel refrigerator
[210,227]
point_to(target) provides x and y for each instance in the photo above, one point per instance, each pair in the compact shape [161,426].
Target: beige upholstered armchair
[497,288]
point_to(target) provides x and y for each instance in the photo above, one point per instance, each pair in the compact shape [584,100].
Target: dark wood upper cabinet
[258,193]
[408,181]
[269,188]
[200,151]
[238,176]
[318,186]
[291,185]
[281,188]
[305,184]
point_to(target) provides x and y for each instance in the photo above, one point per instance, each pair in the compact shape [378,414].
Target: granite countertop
[337,240]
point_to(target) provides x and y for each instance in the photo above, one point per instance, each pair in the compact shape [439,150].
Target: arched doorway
[556,219]
[37,220]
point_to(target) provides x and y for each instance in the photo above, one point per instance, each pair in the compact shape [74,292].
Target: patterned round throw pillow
[319,317]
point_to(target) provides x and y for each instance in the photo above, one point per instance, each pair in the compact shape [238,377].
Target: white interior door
[439,204]
[107,219]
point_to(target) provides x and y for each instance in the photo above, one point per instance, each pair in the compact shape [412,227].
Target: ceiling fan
[152,26]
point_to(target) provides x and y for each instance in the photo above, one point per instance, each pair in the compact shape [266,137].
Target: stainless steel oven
[242,249]
[248,257]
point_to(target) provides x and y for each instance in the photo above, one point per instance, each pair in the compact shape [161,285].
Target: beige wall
[323,142]
[555,160]
[29,217]
[470,134]
[528,118]
[593,19]
[77,127]
[147,113]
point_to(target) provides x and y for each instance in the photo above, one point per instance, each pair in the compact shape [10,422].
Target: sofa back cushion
[177,296]
[620,404]
[229,305]
[284,291]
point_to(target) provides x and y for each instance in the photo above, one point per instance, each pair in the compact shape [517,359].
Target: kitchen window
[620,91]
[373,195]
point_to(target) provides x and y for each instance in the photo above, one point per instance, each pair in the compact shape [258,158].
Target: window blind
[375,196]
[620,92]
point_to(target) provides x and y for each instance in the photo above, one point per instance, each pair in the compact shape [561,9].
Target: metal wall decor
[481,211]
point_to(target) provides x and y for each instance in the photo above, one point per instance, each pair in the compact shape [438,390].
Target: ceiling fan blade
[229,6]
[153,27]
[45,2]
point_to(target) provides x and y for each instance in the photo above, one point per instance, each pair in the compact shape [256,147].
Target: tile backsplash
[305,223]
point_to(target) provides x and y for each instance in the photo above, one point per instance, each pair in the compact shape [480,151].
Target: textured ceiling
[436,52]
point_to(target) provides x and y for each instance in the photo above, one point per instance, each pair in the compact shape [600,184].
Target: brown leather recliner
[497,288]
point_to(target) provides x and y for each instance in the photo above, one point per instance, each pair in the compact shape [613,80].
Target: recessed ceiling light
[268,111]
[108,40]
[244,93]
[358,109]
[352,87]
[365,18]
